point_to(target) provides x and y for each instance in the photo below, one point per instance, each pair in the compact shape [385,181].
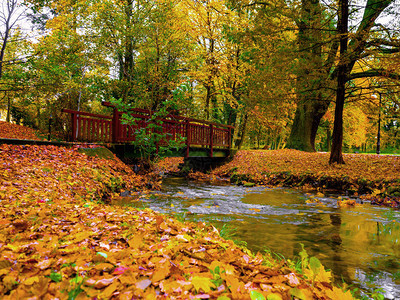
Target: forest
[304,75]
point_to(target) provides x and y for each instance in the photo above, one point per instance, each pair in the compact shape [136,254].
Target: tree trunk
[8,117]
[242,131]
[300,135]
[208,97]
[126,59]
[310,105]
[305,125]
[328,139]
[337,136]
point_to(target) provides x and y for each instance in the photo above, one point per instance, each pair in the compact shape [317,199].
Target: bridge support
[199,158]
[202,164]
[201,161]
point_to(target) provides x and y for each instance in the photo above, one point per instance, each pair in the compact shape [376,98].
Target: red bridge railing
[88,127]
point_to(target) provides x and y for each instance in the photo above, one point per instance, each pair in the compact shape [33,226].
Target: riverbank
[58,239]
[372,177]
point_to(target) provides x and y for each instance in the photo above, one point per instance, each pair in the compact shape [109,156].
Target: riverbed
[360,244]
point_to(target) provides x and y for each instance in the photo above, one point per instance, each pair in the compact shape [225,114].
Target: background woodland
[270,68]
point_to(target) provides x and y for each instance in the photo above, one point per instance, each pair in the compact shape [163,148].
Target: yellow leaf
[31,280]
[337,293]
[323,275]
[376,192]
[160,274]
[274,296]
[136,241]
[255,209]
[302,294]
[127,278]
[9,282]
[107,293]
[202,283]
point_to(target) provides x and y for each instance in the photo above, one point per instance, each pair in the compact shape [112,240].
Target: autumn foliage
[58,240]
[169,164]
[14,131]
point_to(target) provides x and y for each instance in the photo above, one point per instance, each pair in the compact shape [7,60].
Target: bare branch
[374,73]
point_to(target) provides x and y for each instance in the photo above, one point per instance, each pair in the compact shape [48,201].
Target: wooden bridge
[202,138]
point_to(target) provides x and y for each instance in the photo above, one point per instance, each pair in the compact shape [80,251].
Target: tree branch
[383,45]
[374,73]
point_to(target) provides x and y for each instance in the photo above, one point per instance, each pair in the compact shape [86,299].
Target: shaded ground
[58,240]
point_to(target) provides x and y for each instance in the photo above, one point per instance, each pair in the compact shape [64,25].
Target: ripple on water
[361,244]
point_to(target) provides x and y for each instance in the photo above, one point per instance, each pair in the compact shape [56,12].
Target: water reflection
[359,244]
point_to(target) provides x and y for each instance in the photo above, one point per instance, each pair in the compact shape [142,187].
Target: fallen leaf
[143,284]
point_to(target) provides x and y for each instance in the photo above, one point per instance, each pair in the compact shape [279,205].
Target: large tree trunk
[242,131]
[8,118]
[300,135]
[126,58]
[305,125]
[337,136]
[310,74]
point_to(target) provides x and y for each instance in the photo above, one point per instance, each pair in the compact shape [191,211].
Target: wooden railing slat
[91,127]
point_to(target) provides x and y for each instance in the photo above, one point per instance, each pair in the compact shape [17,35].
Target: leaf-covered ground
[377,177]
[169,164]
[14,131]
[59,241]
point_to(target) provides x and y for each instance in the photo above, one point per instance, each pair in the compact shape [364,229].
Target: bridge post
[187,138]
[74,119]
[115,121]
[211,139]
[230,138]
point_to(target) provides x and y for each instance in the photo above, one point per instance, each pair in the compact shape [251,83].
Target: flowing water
[361,244]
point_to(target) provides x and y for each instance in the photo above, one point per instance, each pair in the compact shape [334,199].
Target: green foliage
[75,284]
[150,140]
[377,294]
[223,298]
[228,232]
[304,257]
[217,280]
[254,295]
[56,277]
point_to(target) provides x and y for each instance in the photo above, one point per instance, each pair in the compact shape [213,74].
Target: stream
[361,244]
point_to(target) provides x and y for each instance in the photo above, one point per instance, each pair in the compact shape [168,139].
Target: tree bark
[305,125]
[242,131]
[8,117]
[328,139]
[310,107]
[337,136]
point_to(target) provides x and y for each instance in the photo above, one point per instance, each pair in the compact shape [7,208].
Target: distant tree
[12,12]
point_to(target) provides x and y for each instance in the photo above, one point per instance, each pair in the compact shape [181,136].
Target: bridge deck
[88,127]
